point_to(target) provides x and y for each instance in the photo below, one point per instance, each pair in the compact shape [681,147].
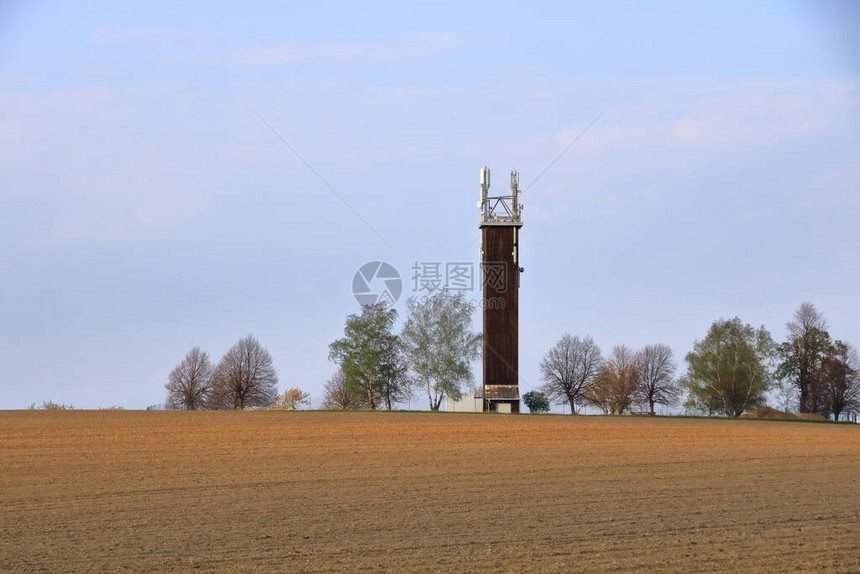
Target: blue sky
[146,209]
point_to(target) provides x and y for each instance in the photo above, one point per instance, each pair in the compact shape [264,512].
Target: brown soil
[811,416]
[314,491]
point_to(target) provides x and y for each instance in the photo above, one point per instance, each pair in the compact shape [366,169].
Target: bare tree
[803,355]
[657,385]
[806,317]
[291,400]
[339,395]
[245,377]
[841,380]
[568,368]
[190,383]
[614,387]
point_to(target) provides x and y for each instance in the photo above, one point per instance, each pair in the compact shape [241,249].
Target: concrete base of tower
[502,406]
[501,398]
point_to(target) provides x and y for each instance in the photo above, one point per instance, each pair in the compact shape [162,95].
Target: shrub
[536,401]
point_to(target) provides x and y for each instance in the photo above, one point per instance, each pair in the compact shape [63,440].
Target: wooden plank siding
[501,278]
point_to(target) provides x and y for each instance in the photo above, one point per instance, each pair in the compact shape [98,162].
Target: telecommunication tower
[500,263]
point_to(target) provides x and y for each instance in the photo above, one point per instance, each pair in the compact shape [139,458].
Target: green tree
[361,352]
[440,345]
[727,372]
[395,386]
[802,357]
[536,401]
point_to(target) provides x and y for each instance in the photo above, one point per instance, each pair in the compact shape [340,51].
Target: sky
[147,205]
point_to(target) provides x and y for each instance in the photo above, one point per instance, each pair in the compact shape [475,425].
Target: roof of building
[501,392]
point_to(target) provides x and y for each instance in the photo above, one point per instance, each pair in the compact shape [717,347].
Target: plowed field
[316,491]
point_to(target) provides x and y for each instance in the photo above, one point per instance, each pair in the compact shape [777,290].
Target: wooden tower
[500,231]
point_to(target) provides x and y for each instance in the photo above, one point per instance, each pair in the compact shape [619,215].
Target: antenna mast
[500,209]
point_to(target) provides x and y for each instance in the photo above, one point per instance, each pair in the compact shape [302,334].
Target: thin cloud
[118,34]
[753,119]
[89,69]
[408,48]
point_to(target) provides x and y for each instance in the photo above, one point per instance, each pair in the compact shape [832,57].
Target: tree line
[575,373]
[245,377]
[377,367]
[728,372]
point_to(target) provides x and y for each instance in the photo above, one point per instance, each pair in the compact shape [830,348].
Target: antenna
[485,189]
[515,193]
[500,209]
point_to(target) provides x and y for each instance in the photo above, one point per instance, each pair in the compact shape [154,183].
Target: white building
[468,403]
